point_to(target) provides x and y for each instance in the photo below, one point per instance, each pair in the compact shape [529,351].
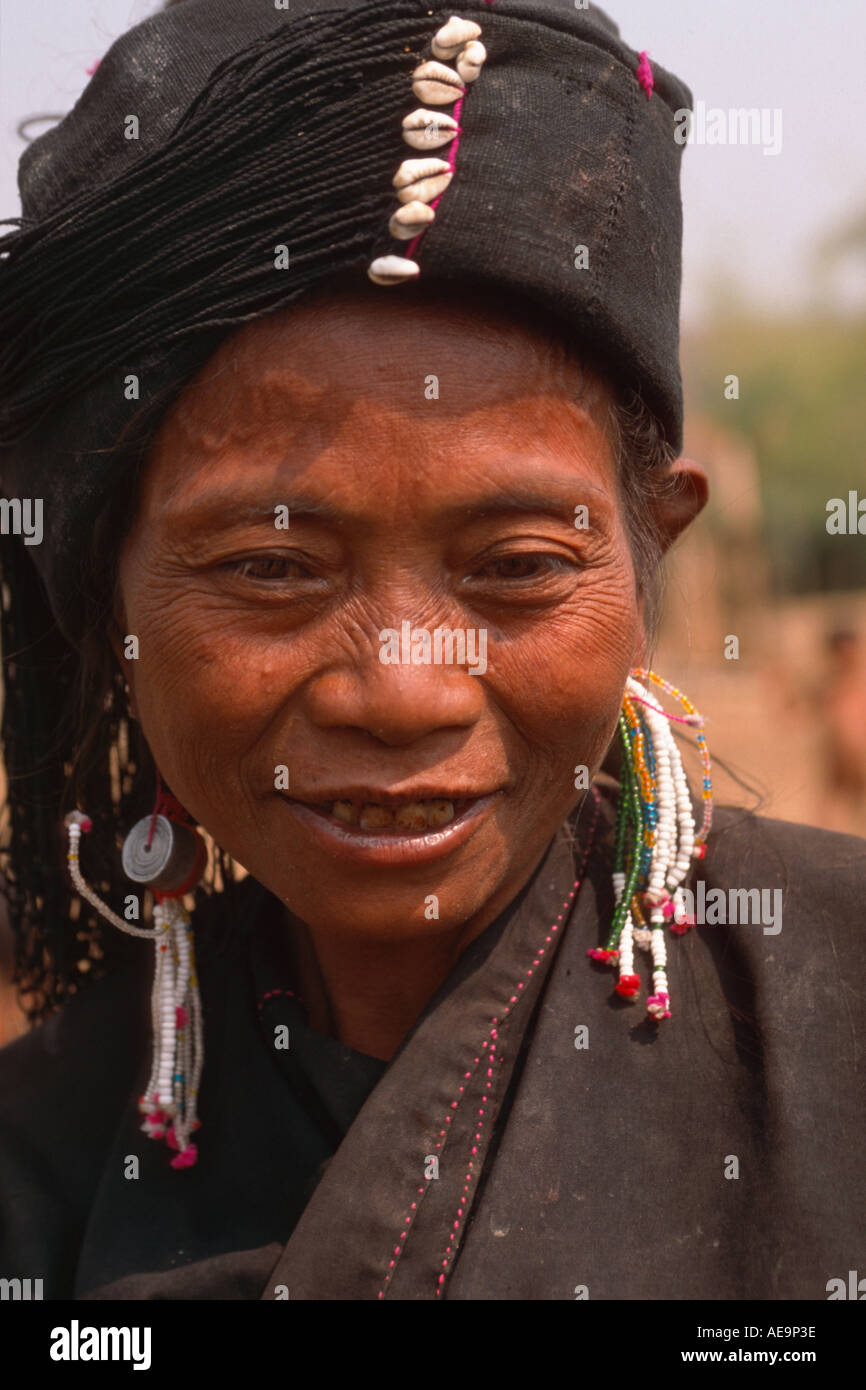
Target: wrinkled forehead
[435,399]
[449,352]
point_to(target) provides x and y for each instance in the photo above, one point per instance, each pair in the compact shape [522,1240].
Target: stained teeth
[375,817]
[414,815]
[411,817]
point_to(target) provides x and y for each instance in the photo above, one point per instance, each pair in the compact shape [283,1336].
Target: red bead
[628,986]
[680,928]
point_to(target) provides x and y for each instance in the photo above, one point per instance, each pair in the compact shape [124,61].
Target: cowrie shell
[471,61]
[428,130]
[422,179]
[411,219]
[436,84]
[448,41]
[392,270]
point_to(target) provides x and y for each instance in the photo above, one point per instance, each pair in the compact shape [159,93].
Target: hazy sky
[750,217]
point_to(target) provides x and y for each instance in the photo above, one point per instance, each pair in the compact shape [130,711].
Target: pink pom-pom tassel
[645,75]
[657,1005]
[186,1158]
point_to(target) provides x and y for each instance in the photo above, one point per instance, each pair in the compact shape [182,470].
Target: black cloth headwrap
[261,127]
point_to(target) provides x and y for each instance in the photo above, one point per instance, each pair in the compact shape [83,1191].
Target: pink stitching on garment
[513,1000]
[490,1058]
[269,993]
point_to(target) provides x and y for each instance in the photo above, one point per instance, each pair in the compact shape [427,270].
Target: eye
[269,567]
[523,566]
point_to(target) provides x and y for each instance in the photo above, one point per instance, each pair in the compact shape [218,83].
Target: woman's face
[357,465]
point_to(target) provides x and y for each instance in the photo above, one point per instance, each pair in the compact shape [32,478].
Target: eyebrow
[222,511]
[552,496]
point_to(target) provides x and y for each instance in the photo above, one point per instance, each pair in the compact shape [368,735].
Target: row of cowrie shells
[419,181]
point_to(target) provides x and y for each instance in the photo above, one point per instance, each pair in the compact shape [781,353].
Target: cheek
[205,695]
[561,681]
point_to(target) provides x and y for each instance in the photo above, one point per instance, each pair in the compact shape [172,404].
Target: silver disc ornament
[168,863]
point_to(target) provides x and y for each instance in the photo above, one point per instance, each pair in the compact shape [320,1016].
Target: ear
[673,512]
[683,500]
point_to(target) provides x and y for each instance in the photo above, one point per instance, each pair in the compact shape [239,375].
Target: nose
[396,704]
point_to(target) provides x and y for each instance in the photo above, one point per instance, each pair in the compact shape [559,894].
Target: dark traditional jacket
[535,1137]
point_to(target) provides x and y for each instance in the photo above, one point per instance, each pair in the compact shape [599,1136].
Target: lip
[393,849]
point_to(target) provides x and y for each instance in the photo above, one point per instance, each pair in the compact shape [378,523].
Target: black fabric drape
[718,1155]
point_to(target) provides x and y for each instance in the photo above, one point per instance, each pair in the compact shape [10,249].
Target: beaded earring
[164,852]
[655,838]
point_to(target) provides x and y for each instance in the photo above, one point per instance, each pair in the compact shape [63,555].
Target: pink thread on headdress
[452,156]
[645,75]
[93,66]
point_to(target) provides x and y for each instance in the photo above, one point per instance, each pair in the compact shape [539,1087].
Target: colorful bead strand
[697,721]
[654,840]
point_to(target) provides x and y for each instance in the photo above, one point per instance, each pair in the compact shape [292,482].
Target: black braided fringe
[293,141]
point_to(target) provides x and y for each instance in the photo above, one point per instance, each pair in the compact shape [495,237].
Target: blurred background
[774,362]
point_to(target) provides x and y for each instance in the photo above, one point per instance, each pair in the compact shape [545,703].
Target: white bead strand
[177,1047]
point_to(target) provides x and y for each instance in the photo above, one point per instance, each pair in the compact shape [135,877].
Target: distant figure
[843,706]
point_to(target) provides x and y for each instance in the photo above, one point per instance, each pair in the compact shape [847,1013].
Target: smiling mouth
[416,817]
[396,830]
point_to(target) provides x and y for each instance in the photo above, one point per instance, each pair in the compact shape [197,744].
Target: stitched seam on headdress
[618,197]
[615,47]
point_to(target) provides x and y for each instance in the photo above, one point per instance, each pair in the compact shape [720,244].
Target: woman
[352,560]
